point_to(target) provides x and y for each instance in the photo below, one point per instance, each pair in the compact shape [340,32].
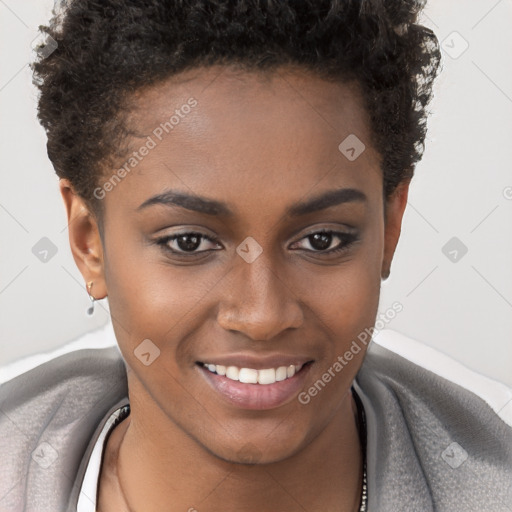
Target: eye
[187,243]
[320,241]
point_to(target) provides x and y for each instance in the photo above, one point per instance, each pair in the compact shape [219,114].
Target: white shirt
[496,394]
[87,497]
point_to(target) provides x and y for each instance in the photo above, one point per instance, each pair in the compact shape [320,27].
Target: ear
[84,240]
[395,207]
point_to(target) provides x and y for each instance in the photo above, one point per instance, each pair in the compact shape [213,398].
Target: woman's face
[240,167]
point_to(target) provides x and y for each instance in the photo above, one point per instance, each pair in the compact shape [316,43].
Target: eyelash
[348,239]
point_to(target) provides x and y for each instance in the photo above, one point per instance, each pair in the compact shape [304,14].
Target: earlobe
[395,208]
[84,238]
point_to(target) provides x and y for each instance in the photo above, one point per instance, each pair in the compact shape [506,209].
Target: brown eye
[321,241]
[187,243]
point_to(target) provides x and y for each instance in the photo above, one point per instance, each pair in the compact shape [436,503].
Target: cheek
[346,297]
[152,299]
[345,304]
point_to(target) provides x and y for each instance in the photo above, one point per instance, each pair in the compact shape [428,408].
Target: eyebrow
[207,206]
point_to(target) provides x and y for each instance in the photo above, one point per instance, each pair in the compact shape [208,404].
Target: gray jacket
[431,445]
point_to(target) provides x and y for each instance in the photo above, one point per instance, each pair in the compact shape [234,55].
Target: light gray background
[462,188]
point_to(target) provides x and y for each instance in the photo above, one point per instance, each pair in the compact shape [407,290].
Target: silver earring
[90,311]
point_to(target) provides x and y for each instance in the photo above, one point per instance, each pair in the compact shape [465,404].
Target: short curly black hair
[101,51]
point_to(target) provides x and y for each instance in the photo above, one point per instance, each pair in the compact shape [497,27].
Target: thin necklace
[361,416]
[364,494]
[363,507]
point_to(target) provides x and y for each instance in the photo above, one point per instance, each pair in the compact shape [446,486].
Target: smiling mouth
[264,376]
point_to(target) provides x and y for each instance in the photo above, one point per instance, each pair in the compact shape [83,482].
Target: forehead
[218,131]
[229,97]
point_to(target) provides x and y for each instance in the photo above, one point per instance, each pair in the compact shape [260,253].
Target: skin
[259,144]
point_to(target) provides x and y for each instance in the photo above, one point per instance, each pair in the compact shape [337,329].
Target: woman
[235,176]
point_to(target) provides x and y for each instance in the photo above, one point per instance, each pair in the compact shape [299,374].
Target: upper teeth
[251,376]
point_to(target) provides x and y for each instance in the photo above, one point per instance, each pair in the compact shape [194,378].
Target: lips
[263,383]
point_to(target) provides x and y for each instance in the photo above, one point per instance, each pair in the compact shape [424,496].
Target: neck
[325,475]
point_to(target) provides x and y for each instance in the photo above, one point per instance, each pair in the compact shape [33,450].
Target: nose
[258,301]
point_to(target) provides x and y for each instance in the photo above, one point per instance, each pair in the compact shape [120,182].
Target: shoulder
[393,354]
[49,415]
[85,367]
[439,434]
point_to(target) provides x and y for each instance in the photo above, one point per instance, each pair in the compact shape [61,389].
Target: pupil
[187,246]
[321,241]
